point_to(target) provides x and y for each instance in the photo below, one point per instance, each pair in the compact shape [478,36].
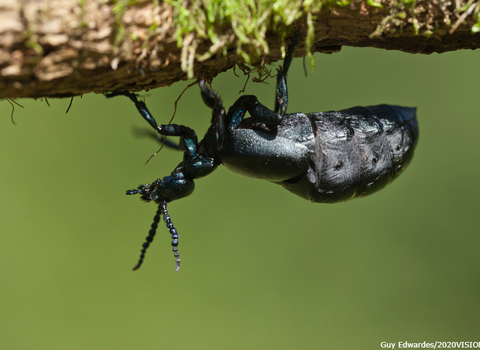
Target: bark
[61,48]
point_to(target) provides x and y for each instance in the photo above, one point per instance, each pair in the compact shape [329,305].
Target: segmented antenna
[173,233]
[140,189]
[162,209]
[149,239]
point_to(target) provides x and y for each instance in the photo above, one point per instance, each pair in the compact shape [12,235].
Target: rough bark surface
[60,48]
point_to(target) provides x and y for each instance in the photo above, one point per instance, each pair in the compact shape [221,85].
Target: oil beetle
[324,157]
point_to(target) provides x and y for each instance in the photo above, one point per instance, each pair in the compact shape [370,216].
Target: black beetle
[324,157]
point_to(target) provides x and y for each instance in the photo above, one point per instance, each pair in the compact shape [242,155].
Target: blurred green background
[261,267]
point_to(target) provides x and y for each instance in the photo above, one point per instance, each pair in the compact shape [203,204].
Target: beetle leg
[188,137]
[194,165]
[141,106]
[259,112]
[281,97]
[213,100]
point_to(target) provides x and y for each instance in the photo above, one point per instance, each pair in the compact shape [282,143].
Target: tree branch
[60,48]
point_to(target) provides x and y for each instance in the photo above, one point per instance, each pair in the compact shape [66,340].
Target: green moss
[374,4]
[476,14]
[476,26]
[35,46]
[243,24]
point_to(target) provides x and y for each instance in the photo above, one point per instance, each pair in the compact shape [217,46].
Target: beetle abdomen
[264,156]
[356,152]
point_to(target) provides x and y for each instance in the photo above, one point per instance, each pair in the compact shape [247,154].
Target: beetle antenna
[162,209]
[173,233]
[149,239]
[142,189]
